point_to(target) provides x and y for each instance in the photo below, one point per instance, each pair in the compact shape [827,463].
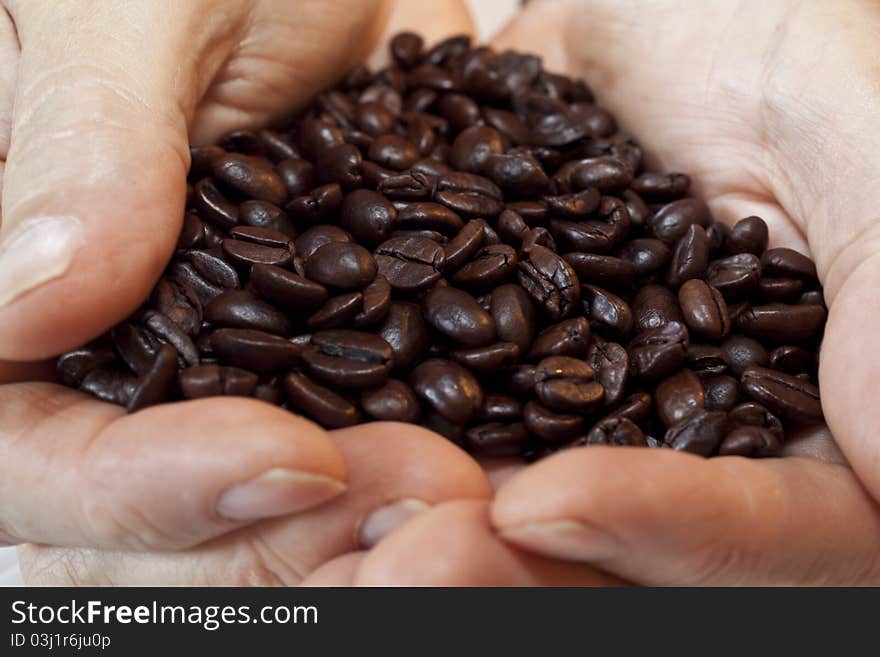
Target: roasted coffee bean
[497,439]
[374,118]
[614,431]
[750,441]
[690,258]
[213,206]
[704,309]
[705,359]
[741,352]
[192,234]
[349,359]
[567,338]
[246,254]
[298,176]
[261,214]
[608,311]
[377,300]
[734,276]
[406,49]
[550,426]
[748,235]
[156,385]
[671,222]
[790,359]
[508,124]
[319,403]
[287,289]
[340,164]
[584,236]
[607,174]
[518,174]
[421,134]
[721,392]
[716,234]
[368,216]
[602,270]
[317,236]
[563,383]
[189,282]
[754,415]
[489,267]
[511,227]
[337,311]
[318,206]
[393,152]
[276,146]
[406,331]
[109,385]
[653,306]
[788,263]
[410,263]
[215,380]
[791,398]
[659,352]
[257,351]
[678,397]
[537,236]
[179,302]
[511,309]
[700,433]
[469,194]
[498,407]
[448,389]
[75,365]
[636,408]
[550,281]
[459,110]
[779,322]
[341,265]
[473,146]
[659,187]
[395,401]
[611,364]
[242,309]
[429,216]
[487,360]
[646,255]
[254,177]
[781,289]
[136,346]
[465,244]
[812,297]
[166,329]
[457,315]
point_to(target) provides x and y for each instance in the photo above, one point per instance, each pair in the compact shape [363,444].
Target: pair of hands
[770,108]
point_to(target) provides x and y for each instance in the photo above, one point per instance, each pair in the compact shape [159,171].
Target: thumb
[94,188]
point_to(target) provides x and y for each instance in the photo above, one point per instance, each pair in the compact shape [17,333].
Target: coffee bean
[340,164]
[157,384]
[166,329]
[705,359]
[75,365]
[740,353]
[636,407]
[448,388]
[717,234]
[659,352]
[550,426]
[465,244]
[136,346]
[661,186]
[700,433]
[410,263]
[337,311]
[109,385]
[319,403]
[734,276]
[429,216]
[690,258]
[754,415]
[490,266]
[287,289]
[369,217]
[488,359]
[671,222]
[298,176]
[213,206]
[721,392]
[214,381]
[246,254]
[242,309]
[602,270]
[790,359]
[611,364]
[252,176]
[550,281]
[678,397]
[469,194]
[704,309]
[567,338]
[349,359]
[514,316]
[654,306]
[395,401]
[257,351]
[376,301]
[750,441]
[608,311]
[788,263]
[405,330]
[498,407]
[748,235]
[497,439]
[457,315]
[393,152]
[614,431]
[563,383]
[341,265]
[781,289]
[789,397]
[779,322]
[473,146]
[517,174]
[575,205]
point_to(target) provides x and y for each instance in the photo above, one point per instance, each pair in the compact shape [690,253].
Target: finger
[8,69]
[453,545]
[660,517]
[341,571]
[395,472]
[93,191]
[13,371]
[76,471]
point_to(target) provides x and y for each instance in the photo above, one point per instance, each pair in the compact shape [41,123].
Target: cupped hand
[770,108]
[98,102]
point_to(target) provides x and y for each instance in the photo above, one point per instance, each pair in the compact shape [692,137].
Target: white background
[489,16]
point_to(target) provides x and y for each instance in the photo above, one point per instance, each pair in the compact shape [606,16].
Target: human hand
[771,109]
[93,194]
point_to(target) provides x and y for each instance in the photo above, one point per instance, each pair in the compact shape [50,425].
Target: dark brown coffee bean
[613,431]
[748,235]
[721,392]
[368,216]
[412,186]
[789,397]
[337,311]
[704,310]
[109,385]
[659,352]
[567,338]
[393,152]
[734,276]
[646,255]
[740,353]
[188,282]
[298,176]
[754,415]
[788,263]
[781,289]
[508,124]
[755,442]
[576,205]
[636,408]
[550,281]
[247,254]
[550,426]
[514,316]
[778,322]
[608,311]
[700,433]
[717,234]
[340,164]
[349,359]
[192,234]
[319,403]
[342,265]
[166,329]
[489,267]
[287,289]
[653,306]
[602,270]
[812,297]
[180,303]
[75,365]
[487,360]
[429,216]
[705,359]
[611,364]
[136,346]
[465,244]
[563,383]
[671,222]
[254,177]
[241,309]
[374,118]
[278,147]
[255,350]
[393,402]
[499,408]
[690,258]
[213,206]
[457,315]
[790,359]
[406,49]
[420,133]
[678,397]
[410,263]
[261,214]
[157,384]
[448,388]
[405,330]
[460,111]
[661,187]
[518,174]
[377,300]
[497,439]
[214,381]
[469,194]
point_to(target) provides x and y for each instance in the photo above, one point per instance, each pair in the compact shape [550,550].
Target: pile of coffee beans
[465,241]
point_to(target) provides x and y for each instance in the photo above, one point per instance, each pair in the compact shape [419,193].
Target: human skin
[730,94]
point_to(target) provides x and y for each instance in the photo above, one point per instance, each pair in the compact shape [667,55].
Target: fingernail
[382,522]
[563,539]
[277,492]
[36,252]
